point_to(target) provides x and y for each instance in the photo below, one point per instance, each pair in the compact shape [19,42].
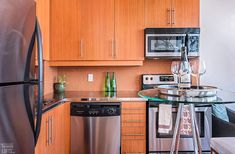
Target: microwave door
[164,45]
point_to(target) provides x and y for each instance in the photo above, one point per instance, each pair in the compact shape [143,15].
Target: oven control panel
[159,79]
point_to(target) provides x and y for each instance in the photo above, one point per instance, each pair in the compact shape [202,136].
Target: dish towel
[165,118]
[186,125]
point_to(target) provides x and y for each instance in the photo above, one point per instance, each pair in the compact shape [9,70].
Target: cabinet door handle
[81,48]
[113,48]
[47,132]
[52,130]
[169,16]
[173,17]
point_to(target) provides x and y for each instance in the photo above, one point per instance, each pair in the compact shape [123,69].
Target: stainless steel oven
[167,42]
[159,143]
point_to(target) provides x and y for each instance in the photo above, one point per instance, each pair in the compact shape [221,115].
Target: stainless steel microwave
[167,42]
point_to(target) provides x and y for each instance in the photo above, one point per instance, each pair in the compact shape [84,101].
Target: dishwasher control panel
[95,109]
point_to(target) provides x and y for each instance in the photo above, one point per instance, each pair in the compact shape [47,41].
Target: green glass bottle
[107,86]
[113,83]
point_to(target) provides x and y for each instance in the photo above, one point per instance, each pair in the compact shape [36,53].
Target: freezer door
[16,133]
[17,25]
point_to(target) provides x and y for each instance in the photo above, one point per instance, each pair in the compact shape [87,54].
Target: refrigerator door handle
[40,81]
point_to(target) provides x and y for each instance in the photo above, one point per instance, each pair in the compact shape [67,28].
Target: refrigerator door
[17,25]
[16,132]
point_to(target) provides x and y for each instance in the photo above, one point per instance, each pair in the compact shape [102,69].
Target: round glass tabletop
[221,97]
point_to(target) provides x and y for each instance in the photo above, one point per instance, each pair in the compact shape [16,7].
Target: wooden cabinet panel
[129,30]
[157,13]
[133,127]
[97,33]
[133,146]
[65,27]
[185,13]
[42,140]
[55,131]
[172,13]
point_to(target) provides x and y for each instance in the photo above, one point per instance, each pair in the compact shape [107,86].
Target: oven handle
[174,109]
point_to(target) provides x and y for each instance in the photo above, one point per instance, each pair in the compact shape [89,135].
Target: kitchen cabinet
[96,33]
[82,30]
[172,13]
[129,29]
[55,131]
[133,127]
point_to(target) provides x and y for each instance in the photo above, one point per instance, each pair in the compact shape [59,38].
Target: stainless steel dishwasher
[95,128]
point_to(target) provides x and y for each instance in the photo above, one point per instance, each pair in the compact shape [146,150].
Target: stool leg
[177,127]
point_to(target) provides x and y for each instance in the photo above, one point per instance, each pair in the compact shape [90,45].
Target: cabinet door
[65,28]
[158,13]
[97,33]
[185,13]
[42,143]
[129,30]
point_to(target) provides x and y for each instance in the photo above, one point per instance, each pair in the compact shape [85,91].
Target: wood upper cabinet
[65,28]
[158,13]
[82,29]
[55,131]
[172,13]
[129,30]
[97,35]
[185,13]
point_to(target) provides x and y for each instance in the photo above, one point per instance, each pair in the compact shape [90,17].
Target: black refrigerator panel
[16,115]
[17,25]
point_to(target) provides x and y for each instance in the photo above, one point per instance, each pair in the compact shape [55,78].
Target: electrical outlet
[90,77]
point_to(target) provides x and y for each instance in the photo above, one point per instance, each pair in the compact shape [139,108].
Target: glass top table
[222,97]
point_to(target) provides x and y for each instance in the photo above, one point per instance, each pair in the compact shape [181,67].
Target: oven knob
[111,111]
[147,78]
[151,78]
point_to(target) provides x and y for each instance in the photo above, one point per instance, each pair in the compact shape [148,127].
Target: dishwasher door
[95,135]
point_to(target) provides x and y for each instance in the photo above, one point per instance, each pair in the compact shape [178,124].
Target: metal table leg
[197,131]
[196,136]
[177,127]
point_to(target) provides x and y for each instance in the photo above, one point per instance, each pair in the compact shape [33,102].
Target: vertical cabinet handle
[113,48]
[47,132]
[52,130]
[173,17]
[81,48]
[168,16]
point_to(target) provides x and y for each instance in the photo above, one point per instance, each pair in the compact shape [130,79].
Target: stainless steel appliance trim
[147,35]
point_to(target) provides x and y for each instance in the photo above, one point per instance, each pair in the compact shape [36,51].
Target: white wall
[218,42]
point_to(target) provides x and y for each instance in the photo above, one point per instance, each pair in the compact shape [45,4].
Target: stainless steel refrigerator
[20,110]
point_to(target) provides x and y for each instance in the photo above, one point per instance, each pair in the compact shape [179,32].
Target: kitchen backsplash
[128,78]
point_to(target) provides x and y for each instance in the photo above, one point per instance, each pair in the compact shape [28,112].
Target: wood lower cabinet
[133,127]
[172,13]
[55,131]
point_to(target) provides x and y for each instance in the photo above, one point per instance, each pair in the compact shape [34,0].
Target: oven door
[163,45]
[162,142]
